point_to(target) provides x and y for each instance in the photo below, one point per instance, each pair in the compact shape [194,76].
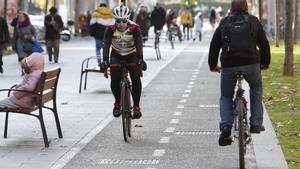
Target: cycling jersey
[123,43]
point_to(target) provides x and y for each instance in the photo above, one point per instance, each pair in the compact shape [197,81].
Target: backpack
[238,36]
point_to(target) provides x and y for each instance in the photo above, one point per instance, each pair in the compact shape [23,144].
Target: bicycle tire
[242,148]
[124,112]
[129,108]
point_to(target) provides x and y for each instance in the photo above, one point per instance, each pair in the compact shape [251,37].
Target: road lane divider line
[183,101]
[174,121]
[164,140]
[170,130]
[180,106]
[159,153]
[177,113]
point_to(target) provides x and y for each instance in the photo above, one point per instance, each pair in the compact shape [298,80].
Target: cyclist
[126,40]
[239,55]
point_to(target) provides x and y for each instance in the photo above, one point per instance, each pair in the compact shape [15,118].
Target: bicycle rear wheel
[241,127]
[126,121]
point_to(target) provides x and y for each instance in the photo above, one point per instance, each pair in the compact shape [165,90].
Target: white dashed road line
[170,130]
[174,121]
[180,106]
[164,140]
[158,153]
[177,113]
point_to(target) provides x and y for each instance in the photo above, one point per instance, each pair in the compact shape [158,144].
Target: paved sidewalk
[83,115]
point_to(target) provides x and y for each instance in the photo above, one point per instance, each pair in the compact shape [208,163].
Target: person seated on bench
[33,67]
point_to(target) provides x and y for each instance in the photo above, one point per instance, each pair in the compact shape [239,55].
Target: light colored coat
[198,23]
[35,63]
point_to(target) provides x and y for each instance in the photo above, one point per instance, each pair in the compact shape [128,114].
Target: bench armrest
[16,90]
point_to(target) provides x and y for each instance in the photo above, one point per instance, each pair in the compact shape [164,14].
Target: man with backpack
[238,35]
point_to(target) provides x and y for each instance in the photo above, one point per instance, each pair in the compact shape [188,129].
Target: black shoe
[225,138]
[137,112]
[256,129]
[116,111]
[1,69]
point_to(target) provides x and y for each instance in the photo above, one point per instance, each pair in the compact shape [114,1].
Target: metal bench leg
[57,120]
[6,125]
[43,128]
[80,81]
[85,80]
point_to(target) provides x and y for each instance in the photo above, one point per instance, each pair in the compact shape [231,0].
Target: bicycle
[126,107]
[241,125]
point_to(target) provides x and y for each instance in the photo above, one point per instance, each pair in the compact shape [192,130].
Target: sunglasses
[121,21]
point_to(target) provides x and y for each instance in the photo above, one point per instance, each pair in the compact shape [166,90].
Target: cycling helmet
[121,12]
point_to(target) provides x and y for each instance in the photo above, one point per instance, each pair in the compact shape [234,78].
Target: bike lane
[179,127]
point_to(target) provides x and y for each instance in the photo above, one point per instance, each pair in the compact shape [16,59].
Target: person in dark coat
[53,24]
[143,20]
[158,17]
[4,38]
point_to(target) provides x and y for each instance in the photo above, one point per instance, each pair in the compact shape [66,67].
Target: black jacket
[158,17]
[53,29]
[97,30]
[4,34]
[238,59]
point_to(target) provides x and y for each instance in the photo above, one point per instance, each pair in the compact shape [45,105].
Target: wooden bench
[45,92]
[86,68]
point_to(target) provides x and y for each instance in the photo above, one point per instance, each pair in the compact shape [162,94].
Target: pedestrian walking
[158,17]
[239,35]
[198,26]
[4,39]
[24,35]
[14,23]
[82,25]
[101,18]
[53,24]
[143,20]
[213,17]
[186,22]
[33,65]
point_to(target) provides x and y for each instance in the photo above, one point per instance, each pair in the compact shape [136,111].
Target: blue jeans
[228,83]
[98,49]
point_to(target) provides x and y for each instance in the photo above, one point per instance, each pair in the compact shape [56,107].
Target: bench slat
[47,96]
[50,83]
[52,73]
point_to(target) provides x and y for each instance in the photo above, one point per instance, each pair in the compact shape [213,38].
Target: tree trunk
[277,29]
[296,28]
[288,39]
[76,19]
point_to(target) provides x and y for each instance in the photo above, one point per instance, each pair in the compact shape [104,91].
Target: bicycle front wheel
[124,112]
[242,146]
